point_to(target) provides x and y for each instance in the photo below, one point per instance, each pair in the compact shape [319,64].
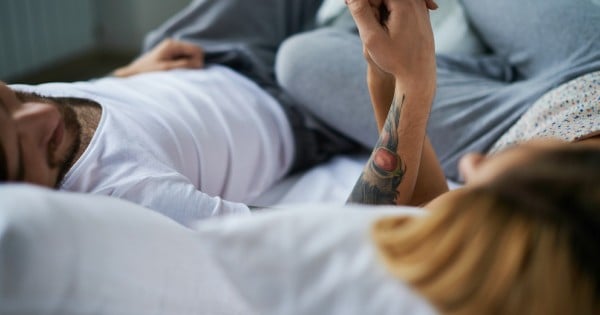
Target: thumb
[432,5]
[366,19]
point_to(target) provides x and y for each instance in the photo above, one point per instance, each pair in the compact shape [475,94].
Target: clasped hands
[397,37]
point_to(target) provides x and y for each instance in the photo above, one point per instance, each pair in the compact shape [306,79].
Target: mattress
[330,183]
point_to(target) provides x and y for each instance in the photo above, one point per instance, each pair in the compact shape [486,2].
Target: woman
[525,214]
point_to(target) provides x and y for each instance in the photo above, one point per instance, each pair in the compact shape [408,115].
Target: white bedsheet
[330,183]
[65,253]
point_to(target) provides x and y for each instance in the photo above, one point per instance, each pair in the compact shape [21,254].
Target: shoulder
[311,260]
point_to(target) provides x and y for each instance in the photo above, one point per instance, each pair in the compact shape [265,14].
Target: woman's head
[476,168]
[521,239]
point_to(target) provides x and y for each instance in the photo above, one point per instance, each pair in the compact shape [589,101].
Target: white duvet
[63,253]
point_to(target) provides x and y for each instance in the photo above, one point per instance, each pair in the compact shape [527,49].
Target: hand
[169,54]
[397,36]
[375,74]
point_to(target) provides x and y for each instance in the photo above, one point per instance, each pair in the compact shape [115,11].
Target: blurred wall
[37,33]
[34,33]
[123,23]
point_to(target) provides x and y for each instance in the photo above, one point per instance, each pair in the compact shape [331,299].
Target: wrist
[422,88]
[420,77]
[417,99]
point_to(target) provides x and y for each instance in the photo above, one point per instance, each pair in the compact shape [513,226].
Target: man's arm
[403,168]
[168,55]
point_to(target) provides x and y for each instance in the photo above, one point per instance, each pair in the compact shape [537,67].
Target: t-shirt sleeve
[177,198]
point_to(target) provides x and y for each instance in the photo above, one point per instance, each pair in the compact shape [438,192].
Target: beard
[73,125]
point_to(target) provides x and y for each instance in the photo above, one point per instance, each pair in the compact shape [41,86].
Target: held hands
[169,54]
[397,37]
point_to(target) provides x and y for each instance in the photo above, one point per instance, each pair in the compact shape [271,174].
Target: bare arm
[403,168]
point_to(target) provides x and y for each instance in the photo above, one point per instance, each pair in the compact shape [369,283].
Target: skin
[34,138]
[479,169]
[168,55]
[399,48]
[41,137]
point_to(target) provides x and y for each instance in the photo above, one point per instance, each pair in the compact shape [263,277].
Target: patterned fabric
[570,112]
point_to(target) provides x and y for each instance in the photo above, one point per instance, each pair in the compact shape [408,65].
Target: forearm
[398,40]
[381,89]
[391,173]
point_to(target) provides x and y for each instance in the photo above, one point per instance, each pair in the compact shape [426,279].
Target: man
[176,141]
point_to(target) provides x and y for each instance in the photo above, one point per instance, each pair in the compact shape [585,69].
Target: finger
[175,49]
[189,50]
[183,63]
[369,26]
[432,5]
[367,55]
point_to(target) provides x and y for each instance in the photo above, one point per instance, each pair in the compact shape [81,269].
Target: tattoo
[385,170]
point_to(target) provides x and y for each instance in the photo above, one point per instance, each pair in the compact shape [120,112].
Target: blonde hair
[527,244]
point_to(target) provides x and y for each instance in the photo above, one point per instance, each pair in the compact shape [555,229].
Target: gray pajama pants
[534,46]
[245,36]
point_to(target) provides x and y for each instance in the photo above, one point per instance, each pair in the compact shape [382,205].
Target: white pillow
[329,9]
[68,254]
[452,31]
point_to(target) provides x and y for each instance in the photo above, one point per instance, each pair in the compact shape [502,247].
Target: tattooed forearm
[385,170]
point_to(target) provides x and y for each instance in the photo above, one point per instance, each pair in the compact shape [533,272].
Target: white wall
[123,23]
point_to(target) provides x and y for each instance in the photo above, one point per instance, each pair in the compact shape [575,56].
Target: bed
[68,253]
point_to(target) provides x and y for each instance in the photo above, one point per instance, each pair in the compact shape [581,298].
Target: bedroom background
[65,40]
[69,40]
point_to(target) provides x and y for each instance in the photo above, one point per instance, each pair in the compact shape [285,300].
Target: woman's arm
[399,49]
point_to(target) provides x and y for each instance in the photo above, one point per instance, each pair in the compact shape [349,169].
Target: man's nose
[36,122]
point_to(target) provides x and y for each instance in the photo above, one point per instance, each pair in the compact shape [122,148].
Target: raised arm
[399,49]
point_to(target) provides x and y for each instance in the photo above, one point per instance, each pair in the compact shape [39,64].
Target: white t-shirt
[311,259]
[174,141]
